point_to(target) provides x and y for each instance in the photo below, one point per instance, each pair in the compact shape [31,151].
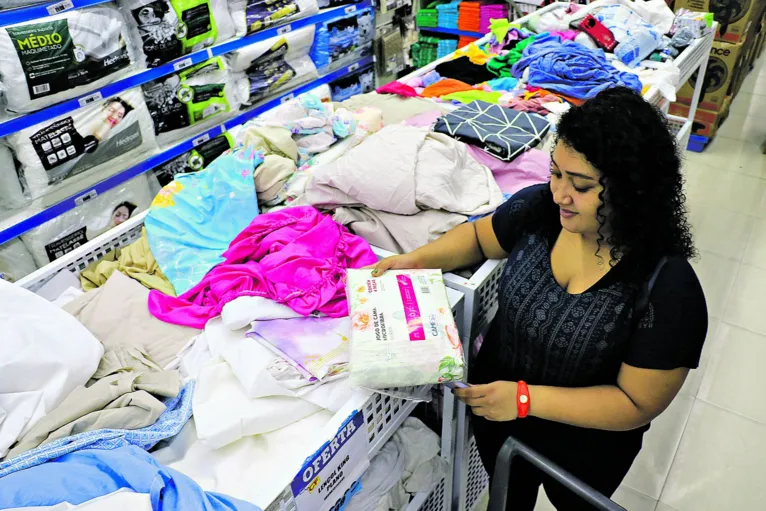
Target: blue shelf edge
[452,31]
[71,203]
[43,10]
[16,124]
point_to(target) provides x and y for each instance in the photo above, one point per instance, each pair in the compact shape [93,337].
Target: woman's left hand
[495,401]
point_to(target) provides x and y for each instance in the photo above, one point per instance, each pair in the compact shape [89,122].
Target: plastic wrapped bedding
[342,36]
[188,101]
[195,160]
[11,193]
[104,137]
[80,225]
[163,30]
[46,61]
[275,64]
[15,261]
[402,330]
[253,15]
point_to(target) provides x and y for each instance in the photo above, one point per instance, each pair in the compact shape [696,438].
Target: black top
[546,336]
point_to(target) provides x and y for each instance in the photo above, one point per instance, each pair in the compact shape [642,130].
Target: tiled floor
[708,450]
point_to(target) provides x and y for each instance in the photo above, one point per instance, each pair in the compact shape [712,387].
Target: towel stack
[428,18]
[424,51]
[470,16]
[465,41]
[448,14]
[489,12]
[445,47]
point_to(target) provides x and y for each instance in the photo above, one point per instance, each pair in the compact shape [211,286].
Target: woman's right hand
[397,262]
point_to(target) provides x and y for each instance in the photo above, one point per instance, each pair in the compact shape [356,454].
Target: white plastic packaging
[402,330]
[186,102]
[15,261]
[46,61]
[96,141]
[11,194]
[76,227]
[164,30]
[251,16]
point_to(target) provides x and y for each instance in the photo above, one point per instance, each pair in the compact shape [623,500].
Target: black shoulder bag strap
[642,302]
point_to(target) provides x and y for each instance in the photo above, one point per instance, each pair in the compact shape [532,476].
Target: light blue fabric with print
[178,410]
[85,475]
[193,219]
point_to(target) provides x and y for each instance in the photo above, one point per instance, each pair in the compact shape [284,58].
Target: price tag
[286,98]
[86,197]
[353,67]
[90,98]
[183,64]
[60,7]
[284,30]
[326,476]
[201,139]
[350,9]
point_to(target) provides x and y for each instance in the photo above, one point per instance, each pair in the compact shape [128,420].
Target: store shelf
[452,31]
[43,10]
[16,124]
[21,222]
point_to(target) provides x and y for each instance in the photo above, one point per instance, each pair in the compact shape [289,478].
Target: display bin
[382,413]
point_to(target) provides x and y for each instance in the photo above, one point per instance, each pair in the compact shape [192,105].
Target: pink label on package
[411,309]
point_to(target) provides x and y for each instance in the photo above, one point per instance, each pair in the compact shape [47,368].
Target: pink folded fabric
[296,256]
[529,168]
[397,88]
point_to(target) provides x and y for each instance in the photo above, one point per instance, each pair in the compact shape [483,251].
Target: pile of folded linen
[448,14]
[490,12]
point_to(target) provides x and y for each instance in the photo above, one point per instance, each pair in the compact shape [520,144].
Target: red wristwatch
[522,399]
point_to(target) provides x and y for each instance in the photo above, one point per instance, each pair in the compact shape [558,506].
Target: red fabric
[399,89]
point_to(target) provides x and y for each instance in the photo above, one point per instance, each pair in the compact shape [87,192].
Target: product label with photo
[195,160]
[53,63]
[172,28]
[260,14]
[68,146]
[270,71]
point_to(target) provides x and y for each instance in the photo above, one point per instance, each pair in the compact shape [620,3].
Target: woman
[579,251]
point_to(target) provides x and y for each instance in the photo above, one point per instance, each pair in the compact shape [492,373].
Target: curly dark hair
[629,142]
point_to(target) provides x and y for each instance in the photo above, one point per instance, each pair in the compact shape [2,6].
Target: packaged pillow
[253,15]
[402,330]
[46,61]
[93,142]
[274,65]
[164,30]
[196,159]
[343,36]
[15,261]
[187,101]
[11,194]
[76,227]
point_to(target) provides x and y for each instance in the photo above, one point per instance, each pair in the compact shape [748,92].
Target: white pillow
[43,62]
[74,228]
[91,143]
[187,102]
[290,45]
[161,33]
[15,261]
[11,194]
[253,15]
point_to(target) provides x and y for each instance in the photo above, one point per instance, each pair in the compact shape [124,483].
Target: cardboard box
[705,123]
[722,68]
[732,15]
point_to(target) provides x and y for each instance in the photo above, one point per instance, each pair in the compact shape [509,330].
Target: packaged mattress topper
[402,330]
[185,102]
[274,65]
[46,61]
[254,15]
[103,137]
[164,30]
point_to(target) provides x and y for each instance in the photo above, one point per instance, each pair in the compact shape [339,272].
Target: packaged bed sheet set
[164,30]
[402,330]
[251,16]
[49,60]
[338,39]
[95,142]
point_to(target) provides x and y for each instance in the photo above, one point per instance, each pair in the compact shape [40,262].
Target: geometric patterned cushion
[502,132]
